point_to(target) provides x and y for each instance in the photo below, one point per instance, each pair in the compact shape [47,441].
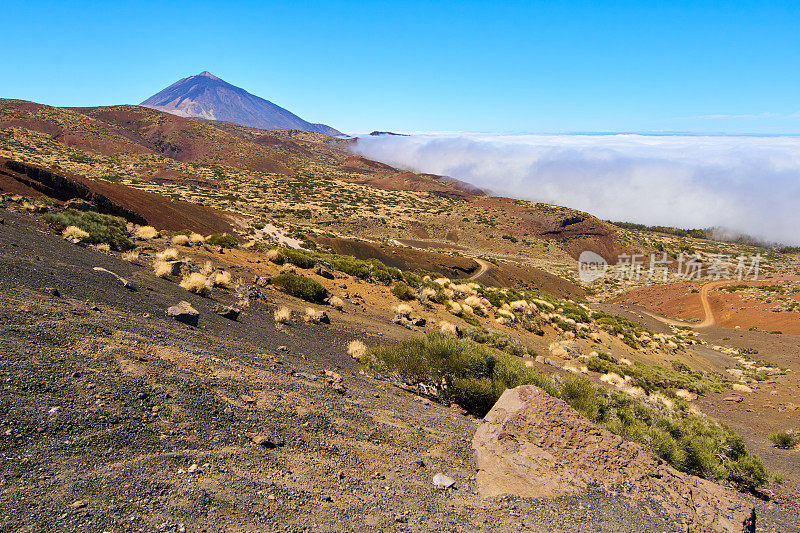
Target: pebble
[442,481]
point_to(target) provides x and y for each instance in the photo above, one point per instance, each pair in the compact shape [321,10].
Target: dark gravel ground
[114,417]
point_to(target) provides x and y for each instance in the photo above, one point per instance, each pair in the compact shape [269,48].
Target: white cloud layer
[748,184]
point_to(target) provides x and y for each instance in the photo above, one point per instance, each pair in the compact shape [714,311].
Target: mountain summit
[207,96]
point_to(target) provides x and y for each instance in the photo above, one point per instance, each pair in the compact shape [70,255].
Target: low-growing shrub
[785,439]
[299,258]
[402,291]
[301,287]
[222,239]
[100,228]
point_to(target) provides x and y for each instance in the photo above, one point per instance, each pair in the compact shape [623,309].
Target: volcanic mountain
[207,96]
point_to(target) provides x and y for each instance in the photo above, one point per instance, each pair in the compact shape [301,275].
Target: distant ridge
[207,96]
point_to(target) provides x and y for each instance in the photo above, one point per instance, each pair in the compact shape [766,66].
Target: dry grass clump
[275,256]
[131,256]
[74,232]
[146,232]
[357,350]
[162,269]
[336,302]
[283,315]
[221,278]
[180,240]
[313,315]
[104,247]
[170,254]
[403,310]
[197,283]
[448,328]
[196,238]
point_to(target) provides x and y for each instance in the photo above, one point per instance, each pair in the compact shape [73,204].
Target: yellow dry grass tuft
[196,238]
[74,232]
[197,283]
[357,350]
[146,232]
[221,279]
[131,256]
[162,269]
[170,254]
[283,315]
[180,240]
[336,302]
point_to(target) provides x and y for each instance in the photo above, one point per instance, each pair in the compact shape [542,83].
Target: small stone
[225,311]
[441,481]
[52,291]
[248,399]
[419,322]
[192,469]
[268,441]
[78,504]
[185,313]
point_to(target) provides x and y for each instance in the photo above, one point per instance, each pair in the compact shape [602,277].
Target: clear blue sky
[719,66]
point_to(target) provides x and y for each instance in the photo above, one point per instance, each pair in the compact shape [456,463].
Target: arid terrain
[257,412]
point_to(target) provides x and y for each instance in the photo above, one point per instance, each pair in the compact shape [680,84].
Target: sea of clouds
[743,183]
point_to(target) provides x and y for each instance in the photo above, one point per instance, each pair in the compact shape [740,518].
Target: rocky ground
[116,417]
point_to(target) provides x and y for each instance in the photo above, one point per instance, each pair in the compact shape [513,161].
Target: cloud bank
[748,184]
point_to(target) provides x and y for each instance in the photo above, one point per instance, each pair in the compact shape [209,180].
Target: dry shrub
[74,232]
[196,238]
[283,315]
[447,327]
[197,283]
[221,279]
[146,232]
[357,350]
[313,315]
[336,302]
[180,240]
[103,247]
[275,256]
[131,256]
[163,269]
[403,310]
[170,254]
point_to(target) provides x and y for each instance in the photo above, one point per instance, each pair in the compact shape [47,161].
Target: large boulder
[533,445]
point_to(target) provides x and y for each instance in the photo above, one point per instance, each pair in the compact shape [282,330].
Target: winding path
[708,319]
[484,268]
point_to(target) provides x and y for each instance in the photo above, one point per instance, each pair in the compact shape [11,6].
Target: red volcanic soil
[576,231]
[745,309]
[133,204]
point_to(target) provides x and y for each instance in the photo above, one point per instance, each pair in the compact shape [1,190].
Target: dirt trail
[708,313]
[484,268]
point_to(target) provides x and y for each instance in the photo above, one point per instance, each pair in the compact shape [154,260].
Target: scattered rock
[306,375]
[419,322]
[268,441]
[52,291]
[78,504]
[79,204]
[225,311]
[192,469]
[534,445]
[737,399]
[440,481]
[185,313]
[324,271]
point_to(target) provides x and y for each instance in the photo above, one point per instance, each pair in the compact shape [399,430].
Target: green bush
[461,371]
[299,258]
[301,287]
[402,291]
[784,439]
[222,239]
[102,229]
